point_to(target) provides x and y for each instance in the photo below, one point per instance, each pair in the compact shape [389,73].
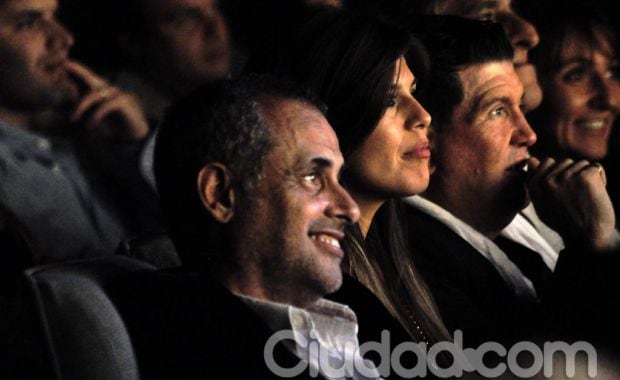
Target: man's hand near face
[106,109]
[571,198]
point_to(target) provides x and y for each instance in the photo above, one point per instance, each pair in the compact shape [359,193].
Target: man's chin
[68,92]
[59,95]
[517,197]
[526,200]
[332,284]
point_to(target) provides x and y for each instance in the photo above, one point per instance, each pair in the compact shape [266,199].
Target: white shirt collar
[332,325]
[522,231]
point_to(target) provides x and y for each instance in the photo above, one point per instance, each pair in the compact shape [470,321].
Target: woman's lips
[591,124]
[599,127]
[421,151]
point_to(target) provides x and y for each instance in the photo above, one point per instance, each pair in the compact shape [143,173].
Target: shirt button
[43,144]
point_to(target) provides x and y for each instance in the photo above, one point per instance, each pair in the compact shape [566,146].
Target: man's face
[483,153]
[33,53]
[189,42]
[295,218]
[522,35]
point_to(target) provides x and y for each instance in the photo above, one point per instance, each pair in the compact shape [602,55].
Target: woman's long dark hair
[349,61]
[383,263]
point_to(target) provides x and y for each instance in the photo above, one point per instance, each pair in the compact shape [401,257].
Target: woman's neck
[368,209]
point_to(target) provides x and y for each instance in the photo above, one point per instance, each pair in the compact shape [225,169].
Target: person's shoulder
[428,236]
[13,138]
[372,316]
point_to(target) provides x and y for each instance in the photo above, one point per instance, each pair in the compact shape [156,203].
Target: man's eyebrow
[322,162]
[473,7]
[497,99]
[29,13]
[183,11]
[482,101]
[303,165]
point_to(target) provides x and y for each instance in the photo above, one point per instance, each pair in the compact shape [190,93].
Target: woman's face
[394,160]
[582,96]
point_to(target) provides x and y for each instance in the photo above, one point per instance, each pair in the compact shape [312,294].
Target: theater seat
[86,337]
[155,248]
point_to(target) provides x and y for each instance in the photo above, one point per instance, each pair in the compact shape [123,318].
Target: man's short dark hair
[218,122]
[455,43]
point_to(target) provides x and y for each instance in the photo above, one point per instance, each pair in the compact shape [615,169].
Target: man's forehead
[299,118]
[485,76]
[161,7]
[300,127]
[487,83]
[18,6]
[468,7]
[289,114]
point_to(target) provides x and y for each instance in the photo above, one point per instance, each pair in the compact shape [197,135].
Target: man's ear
[216,191]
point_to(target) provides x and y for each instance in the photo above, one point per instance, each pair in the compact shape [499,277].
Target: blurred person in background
[73,183]
[577,64]
[171,47]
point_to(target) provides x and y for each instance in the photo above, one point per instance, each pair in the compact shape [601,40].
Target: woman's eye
[414,87]
[574,75]
[391,101]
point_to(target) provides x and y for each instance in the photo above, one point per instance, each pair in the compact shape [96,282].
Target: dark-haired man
[490,287]
[523,38]
[171,47]
[521,33]
[248,174]
[50,179]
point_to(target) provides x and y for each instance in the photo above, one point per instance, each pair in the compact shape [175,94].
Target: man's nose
[214,25]
[522,33]
[58,36]
[523,135]
[342,206]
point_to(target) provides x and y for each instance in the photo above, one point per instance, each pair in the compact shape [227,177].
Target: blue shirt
[64,211]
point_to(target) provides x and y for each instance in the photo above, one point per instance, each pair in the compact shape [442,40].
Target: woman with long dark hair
[367,73]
